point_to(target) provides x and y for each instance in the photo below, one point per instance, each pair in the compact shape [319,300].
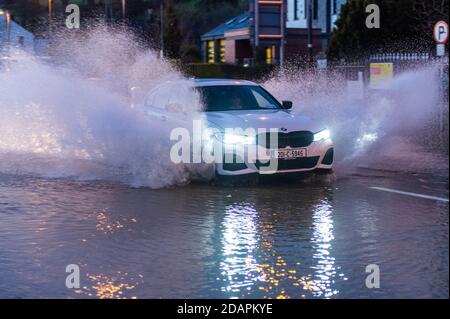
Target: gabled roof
[240,22]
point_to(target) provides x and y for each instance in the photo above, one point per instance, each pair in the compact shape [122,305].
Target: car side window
[174,97]
[263,102]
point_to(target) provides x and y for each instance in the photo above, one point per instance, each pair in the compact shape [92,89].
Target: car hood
[261,119]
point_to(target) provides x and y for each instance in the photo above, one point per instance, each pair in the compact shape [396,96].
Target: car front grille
[292,139]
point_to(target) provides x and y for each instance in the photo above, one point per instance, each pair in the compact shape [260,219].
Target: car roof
[221,82]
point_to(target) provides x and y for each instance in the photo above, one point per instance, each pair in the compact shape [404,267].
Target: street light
[1,13]
[123,8]
[8,25]
[50,9]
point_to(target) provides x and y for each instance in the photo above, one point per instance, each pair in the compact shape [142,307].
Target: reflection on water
[118,286]
[322,239]
[239,242]
[251,263]
[211,242]
[108,226]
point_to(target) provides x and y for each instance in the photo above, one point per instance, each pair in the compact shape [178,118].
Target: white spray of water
[383,124]
[75,119]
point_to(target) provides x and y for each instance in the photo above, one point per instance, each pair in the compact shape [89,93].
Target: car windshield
[236,98]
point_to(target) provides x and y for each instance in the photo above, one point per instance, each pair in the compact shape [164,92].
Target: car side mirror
[287,105]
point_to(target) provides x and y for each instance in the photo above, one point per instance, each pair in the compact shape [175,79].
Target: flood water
[86,180]
[299,240]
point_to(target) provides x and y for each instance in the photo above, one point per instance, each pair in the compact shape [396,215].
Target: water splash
[363,129]
[75,120]
[76,117]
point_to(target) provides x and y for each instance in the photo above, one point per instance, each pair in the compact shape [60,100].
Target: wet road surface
[299,240]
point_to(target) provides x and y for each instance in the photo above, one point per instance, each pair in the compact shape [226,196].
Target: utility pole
[256,24]
[310,39]
[256,11]
[283,34]
[162,29]
[108,11]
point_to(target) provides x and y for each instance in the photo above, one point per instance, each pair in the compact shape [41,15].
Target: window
[222,51]
[269,55]
[262,101]
[236,98]
[211,52]
[163,99]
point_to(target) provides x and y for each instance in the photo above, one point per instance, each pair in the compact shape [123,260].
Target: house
[229,42]
[267,25]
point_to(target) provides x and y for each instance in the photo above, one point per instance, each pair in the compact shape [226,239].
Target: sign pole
[440,36]
[310,35]
[283,35]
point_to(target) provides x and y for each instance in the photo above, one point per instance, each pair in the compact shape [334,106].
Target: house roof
[240,22]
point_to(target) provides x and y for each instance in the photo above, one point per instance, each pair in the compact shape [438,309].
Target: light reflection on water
[240,238]
[209,242]
[322,239]
[251,262]
[118,286]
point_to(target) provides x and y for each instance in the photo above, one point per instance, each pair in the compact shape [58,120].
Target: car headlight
[322,135]
[235,139]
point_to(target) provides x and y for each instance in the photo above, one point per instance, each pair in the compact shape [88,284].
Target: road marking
[410,194]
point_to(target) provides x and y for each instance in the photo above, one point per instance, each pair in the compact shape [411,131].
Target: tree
[185,20]
[406,25]
[172,34]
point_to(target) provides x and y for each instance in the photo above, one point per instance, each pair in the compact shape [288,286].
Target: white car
[302,145]
[257,134]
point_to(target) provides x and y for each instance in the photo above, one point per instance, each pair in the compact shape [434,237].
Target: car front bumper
[319,155]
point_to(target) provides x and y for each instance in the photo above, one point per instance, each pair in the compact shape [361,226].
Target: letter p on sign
[440,32]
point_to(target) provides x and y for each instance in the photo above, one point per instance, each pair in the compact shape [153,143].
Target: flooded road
[77,142]
[302,240]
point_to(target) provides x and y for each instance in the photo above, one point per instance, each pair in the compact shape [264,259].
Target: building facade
[267,26]
[324,16]
[229,42]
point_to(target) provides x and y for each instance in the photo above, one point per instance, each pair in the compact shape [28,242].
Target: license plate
[289,153]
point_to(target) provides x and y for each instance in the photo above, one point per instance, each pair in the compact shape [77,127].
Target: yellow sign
[380,74]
